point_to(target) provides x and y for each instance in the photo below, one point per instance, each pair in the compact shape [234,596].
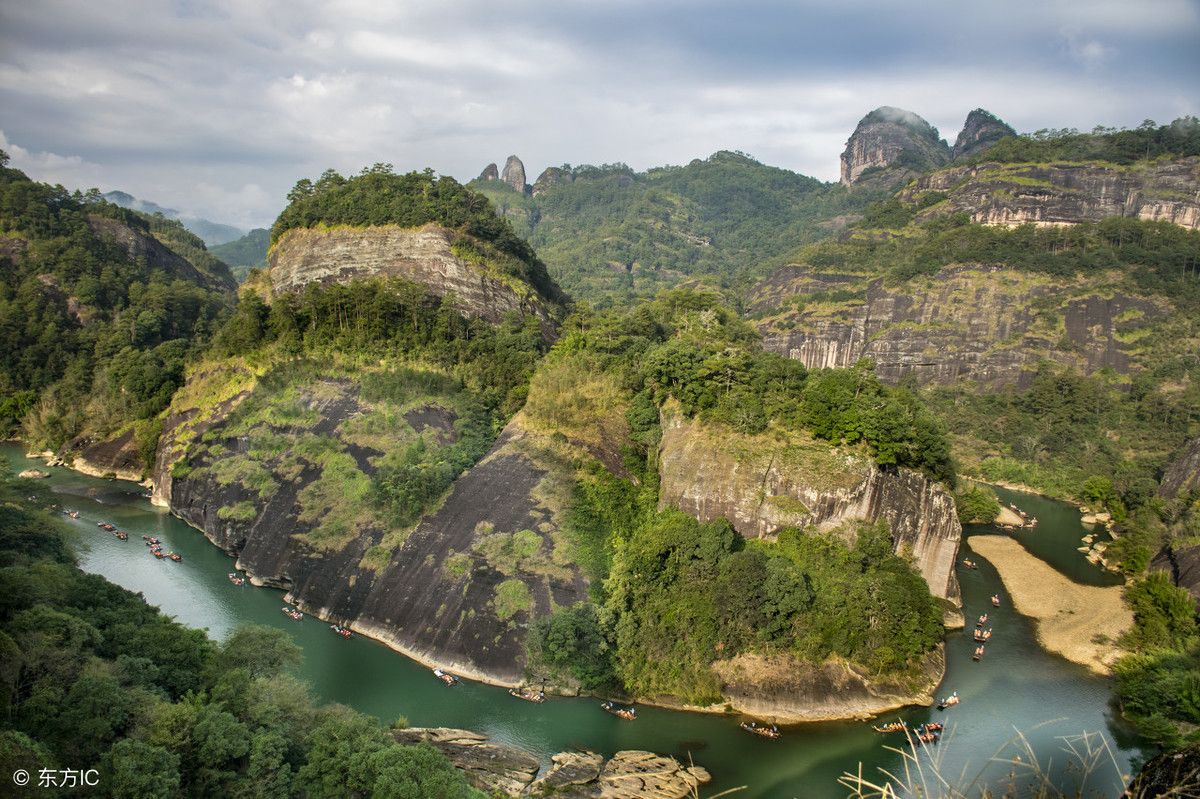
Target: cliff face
[514,173]
[989,324]
[551,176]
[776,479]
[1056,194]
[892,136]
[1183,473]
[980,131]
[490,172]
[423,255]
[456,589]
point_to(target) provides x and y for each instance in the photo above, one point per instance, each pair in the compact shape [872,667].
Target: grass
[337,504]
[923,771]
[511,597]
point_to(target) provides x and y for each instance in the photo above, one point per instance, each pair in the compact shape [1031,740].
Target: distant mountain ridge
[213,233]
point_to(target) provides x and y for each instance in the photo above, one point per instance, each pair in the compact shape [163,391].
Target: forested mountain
[100,310]
[211,233]
[612,235]
[248,252]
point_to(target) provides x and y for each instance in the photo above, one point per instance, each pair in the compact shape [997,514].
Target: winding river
[1018,686]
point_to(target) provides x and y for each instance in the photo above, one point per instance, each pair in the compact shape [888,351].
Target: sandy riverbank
[1068,616]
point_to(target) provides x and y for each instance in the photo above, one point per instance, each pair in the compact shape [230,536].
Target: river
[1018,686]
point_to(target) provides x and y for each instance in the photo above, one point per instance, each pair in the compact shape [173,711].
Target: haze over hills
[212,233]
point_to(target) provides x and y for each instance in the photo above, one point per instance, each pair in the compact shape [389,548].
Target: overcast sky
[216,107]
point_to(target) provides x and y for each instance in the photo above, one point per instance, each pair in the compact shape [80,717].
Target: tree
[134,769]
[416,772]
[262,651]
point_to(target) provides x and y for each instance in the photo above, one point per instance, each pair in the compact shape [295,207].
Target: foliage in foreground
[95,677]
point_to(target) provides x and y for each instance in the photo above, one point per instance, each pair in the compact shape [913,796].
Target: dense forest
[672,595]
[95,677]
[92,337]
[611,235]
[1118,146]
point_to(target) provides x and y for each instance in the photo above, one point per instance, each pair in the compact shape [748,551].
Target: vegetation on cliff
[378,196]
[92,338]
[672,594]
[95,677]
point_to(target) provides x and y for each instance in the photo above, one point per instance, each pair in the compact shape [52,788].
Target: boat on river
[626,713]
[995,600]
[528,694]
[175,556]
[340,630]
[763,730]
[446,677]
[982,636]
[949,701]
[978,653]
[891,726]
[982,621]
[106,526]
[236,578]
[293,613]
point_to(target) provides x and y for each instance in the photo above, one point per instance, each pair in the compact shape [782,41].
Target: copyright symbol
[21,777]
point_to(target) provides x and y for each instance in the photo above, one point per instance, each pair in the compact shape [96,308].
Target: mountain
[248,252]
[892,137]
[101,309]
[609,234]
[980,131]
[212,233]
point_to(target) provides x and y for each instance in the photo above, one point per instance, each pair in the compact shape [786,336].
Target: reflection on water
[1017,686]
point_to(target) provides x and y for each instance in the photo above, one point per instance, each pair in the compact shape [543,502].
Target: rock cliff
[783,479]
[424,255]
[1182,474]
[551,176]
[981,130]
[287,498]
[490,172]
[988,324]
[1067,193]
[514,173]
[892,137]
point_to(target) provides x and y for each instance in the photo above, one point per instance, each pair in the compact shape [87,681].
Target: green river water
[1017,686]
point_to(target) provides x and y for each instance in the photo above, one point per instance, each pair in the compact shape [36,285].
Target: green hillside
[100,308]
[248,252]
[612,235]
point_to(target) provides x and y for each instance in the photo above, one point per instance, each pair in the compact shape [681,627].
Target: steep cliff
[428,255]
[1067,193]
[551,176]
[490,172]
[277,471]
[892,137]
[1182,474]
[779,479]
[514,173]
[988,324]
[141,247]
[981,130]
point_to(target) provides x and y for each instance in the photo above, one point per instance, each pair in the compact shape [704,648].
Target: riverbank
[1079,622]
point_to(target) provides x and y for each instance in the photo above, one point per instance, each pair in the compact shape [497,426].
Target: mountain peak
[890,136]
[981,130]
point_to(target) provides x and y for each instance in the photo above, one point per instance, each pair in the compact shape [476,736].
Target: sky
[217,107]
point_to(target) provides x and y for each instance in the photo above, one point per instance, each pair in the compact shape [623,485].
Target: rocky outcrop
[791,690]
[989,324]
[551,176]
[785,479]
[509,771]
[514,173]
[118,457]
[432,591]
[981,130]
[490,172]
[142,247]
[1182,474]
[1168,774]
[422,255]
[1068,193]
[892,137]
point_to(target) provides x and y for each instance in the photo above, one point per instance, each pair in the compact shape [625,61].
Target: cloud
[219,106]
